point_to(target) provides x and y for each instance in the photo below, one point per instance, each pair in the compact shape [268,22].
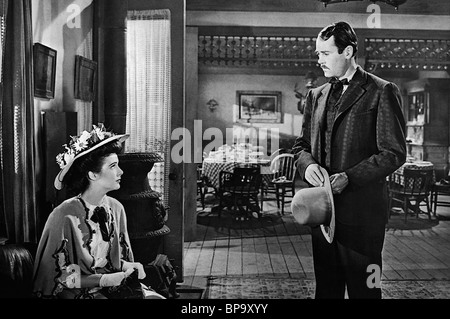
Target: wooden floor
[276,246]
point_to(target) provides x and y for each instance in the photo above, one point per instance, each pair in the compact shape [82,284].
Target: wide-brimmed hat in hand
[315,206]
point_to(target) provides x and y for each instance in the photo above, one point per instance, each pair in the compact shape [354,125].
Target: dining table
[415,165]
[420,165]
[211,169]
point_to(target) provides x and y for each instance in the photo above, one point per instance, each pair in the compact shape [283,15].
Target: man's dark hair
[344,35]
[76,179]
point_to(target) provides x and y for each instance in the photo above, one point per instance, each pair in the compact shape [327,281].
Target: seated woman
[85,251]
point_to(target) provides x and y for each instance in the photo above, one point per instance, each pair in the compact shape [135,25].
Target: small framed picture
[85,79]
[259,106]
[44,60]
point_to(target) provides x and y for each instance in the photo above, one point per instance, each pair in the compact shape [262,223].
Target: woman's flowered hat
[82,145]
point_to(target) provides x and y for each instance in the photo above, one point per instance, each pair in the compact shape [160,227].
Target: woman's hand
[129,265]
[114,279]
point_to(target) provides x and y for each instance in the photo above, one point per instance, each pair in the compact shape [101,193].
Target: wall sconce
[310,79]
[212,104]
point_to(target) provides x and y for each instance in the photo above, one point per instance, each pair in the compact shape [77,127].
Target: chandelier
[394,3]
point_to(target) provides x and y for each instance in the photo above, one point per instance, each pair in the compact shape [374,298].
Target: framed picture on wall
[85,79]
[259,106]
[44,71]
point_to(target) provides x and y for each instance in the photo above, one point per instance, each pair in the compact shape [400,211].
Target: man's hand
[314,176]
[338,182]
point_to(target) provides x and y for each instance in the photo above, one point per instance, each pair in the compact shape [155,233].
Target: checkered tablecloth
[414,165]
[211,170]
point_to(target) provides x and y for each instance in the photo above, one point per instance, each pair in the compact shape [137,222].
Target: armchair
[410,189]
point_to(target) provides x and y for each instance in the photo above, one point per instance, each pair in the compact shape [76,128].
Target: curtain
[149,90]
[17,139]
[4,9]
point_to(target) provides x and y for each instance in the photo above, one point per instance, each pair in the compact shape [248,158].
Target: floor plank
[279,267]
[262,257]
[219,263]
[234,265]
[249,258]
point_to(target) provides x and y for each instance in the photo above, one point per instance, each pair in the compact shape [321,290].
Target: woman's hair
[76,179]
[344,35]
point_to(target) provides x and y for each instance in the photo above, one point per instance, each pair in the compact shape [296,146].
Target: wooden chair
[283,169]
[440,195]
[278,152]
[201,186]
[267,186]
[410,189]
[239,190]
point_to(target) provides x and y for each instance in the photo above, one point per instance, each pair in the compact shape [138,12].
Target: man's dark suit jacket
[367,143]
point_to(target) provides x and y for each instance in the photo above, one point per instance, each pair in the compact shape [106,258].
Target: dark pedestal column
[146,214]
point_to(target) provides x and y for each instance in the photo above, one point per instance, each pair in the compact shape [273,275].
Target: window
[149,90]
[418,107]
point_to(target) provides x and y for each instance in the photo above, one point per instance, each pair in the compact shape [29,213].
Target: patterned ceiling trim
[423,54]
[257,51]
[288,52]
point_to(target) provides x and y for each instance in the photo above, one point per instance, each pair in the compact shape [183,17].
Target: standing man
[354,128]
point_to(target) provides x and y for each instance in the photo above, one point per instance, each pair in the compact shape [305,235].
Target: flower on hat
[81,143]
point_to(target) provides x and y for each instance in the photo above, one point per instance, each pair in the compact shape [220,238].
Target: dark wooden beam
[111,53]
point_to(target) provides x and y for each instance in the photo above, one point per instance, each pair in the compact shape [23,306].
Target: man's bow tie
[336,80]
[101,216]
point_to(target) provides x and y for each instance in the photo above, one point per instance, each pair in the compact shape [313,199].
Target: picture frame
[259,106]
[44,71]
[85,79]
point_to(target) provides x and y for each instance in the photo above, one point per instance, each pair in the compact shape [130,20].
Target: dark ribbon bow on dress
[101,216]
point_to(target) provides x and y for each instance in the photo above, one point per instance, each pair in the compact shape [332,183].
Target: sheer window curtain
[19,204]
[149,90]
